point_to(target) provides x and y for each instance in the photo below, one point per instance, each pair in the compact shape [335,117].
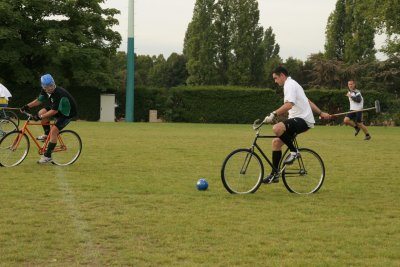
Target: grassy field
[131,200]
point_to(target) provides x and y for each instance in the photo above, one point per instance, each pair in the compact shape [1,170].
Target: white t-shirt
[353,104]
[294,93]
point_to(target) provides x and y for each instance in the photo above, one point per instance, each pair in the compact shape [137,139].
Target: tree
[324,72]
[349,34]
[176,70]
[272,58]
[71,39]
[143,65]
[224,44]
[359,40]
[248,57]
[223,28]
[335,31]
[199,44]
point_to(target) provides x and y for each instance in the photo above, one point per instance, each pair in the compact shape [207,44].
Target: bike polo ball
[202,184]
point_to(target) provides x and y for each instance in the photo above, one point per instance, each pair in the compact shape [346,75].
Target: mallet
[10,108]
[377,109]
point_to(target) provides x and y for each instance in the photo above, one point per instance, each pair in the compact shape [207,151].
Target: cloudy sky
[160,25]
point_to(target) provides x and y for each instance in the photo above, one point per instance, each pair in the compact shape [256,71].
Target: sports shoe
[41,137]
[272,178]
[44,160]
[367,137]
[357,130]
[292,156]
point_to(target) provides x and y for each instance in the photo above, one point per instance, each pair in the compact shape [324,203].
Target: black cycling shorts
[295,126]
[61,120]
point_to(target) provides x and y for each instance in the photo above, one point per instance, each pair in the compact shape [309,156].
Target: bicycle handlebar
[257,126]
[29,115]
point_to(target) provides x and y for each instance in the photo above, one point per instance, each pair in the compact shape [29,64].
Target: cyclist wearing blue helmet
[61,105]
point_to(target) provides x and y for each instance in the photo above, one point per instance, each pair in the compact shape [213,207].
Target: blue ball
[202,184]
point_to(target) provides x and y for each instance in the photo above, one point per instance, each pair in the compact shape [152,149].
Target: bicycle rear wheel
[6,126]
[13,152]
[306,175]
[242,172]
[68,148]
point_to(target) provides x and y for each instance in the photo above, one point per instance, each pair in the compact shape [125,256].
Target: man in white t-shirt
[356,103]
[300,120]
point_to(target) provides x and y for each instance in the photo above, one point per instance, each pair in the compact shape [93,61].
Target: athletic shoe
[357,130]
[44,160]
[290,159]
[272,178]
[367,137]
[41,138]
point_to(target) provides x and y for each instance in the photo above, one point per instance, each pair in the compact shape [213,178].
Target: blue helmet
[47,80]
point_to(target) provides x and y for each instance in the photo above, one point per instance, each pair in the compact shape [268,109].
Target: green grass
[130,200]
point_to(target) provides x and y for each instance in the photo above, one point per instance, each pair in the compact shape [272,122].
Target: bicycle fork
[246,162]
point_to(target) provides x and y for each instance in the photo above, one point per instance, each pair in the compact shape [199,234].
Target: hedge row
[221,104]
[216,104]
[244,105]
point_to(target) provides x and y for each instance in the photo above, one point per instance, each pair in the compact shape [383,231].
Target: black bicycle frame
[255,145]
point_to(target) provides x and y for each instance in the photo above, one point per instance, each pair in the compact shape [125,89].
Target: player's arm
[356,97]
[317,110]
[284,108]
[32,104]
[49,114]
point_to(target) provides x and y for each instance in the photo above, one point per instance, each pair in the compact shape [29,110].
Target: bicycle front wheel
[14,148]
[306,175]
[68,148]
[12,116]
[242,172]
[6,126]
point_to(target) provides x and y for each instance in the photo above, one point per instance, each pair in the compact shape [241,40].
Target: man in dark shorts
[356,103]
[62,106]
[300,120]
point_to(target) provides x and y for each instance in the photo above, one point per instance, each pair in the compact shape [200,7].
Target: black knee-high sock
[288,140]
[46,129]
[50,148]
[276,158]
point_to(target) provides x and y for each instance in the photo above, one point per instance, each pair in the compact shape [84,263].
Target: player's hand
[36,117]
[24,108]
[270,118]
[325,116]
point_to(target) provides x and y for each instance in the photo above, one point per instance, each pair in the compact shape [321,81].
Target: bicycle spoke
[68,148]
[242,172]
[306,174]
[13,149]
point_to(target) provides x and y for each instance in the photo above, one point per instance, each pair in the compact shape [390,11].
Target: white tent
[4,92]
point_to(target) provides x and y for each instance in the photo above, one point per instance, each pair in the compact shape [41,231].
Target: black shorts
[295,126]
[61,120]
[357,116]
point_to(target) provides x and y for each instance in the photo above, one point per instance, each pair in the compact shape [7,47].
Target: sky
[160,25]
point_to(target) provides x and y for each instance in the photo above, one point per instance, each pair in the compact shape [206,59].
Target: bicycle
[6,126]
[243,170]
[15,145]
[6,113]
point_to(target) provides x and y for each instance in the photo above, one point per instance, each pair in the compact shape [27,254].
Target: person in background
[61,105]
[356,103]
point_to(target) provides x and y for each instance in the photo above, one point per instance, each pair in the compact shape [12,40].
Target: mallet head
[377,106]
